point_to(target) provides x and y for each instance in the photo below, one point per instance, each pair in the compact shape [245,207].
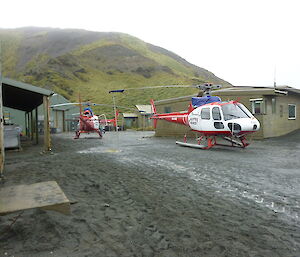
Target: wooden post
[26,124]
[31,126]
[64,121]
[56,119]
[2,148]
[47,139]
[36,126]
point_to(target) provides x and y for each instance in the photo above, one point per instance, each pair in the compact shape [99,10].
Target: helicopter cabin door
[211,120]
[206,124]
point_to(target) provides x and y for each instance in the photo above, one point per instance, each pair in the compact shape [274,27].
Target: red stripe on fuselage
[222,132]
[175,117]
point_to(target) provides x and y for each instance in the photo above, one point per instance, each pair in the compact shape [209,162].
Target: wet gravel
[138,195]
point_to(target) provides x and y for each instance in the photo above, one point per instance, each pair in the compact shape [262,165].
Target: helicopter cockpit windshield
[235,111]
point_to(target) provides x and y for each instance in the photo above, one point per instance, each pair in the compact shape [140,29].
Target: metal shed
[145,112]
[27,98]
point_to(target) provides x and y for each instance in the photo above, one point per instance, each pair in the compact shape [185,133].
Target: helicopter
[210,118]
[88,122]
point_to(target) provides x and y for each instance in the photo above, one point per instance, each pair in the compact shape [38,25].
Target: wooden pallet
[46,195]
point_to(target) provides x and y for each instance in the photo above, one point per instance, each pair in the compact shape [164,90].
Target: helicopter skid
[78,133]
[212,141]
[191,145]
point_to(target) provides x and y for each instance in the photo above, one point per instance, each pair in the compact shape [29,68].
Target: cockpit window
[216,114]
[235,111]
[205,114]
[245,110]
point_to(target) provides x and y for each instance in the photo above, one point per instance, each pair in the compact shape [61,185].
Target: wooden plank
[47,195]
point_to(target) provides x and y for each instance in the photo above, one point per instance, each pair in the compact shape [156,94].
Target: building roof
[144,109]
[57,99]
[22,96]
[240,90]
[129,115]
[250,90]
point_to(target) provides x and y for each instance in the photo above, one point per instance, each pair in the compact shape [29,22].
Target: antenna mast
[275,77]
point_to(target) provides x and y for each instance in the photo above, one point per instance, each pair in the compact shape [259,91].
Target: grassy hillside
[92,63]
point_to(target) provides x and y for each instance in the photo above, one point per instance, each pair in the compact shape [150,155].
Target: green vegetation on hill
[70,62]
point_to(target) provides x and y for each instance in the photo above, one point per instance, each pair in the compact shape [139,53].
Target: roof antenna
[275,77]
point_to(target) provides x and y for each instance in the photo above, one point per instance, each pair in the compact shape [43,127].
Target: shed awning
[130,115]
[22,96]
[144,109]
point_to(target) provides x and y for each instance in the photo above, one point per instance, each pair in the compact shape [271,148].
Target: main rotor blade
[141,88]
[64,104]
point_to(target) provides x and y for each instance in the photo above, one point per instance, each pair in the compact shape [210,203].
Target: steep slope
[92,63]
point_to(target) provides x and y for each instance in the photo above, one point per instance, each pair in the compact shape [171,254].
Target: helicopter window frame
[205,114]
[232,111]
[245,110]
[218,113]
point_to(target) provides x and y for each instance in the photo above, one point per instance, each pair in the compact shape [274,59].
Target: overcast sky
[241,41]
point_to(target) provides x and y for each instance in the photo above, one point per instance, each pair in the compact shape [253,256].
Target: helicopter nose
[256,125]
[250,125]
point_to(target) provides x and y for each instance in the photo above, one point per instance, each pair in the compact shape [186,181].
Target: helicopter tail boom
[175,117]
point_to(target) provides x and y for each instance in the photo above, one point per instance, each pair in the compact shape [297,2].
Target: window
[274,105]
[292,111]
[245,110]
[167,109]
[257,106]
[218,125]
[234,111]
[216,114]
[205,114]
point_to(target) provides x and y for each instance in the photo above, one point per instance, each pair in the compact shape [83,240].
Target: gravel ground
[137,195]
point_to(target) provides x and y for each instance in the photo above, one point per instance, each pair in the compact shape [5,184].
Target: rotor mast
[207,88]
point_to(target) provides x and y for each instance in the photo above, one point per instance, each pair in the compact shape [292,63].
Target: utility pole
[275,77]
[2,154]
[115,111]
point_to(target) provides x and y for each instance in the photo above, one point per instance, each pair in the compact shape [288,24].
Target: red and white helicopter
[209,117]
[88,122]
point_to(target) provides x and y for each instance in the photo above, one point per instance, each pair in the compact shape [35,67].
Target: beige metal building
[144,114]
[277,109]
[140,119]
